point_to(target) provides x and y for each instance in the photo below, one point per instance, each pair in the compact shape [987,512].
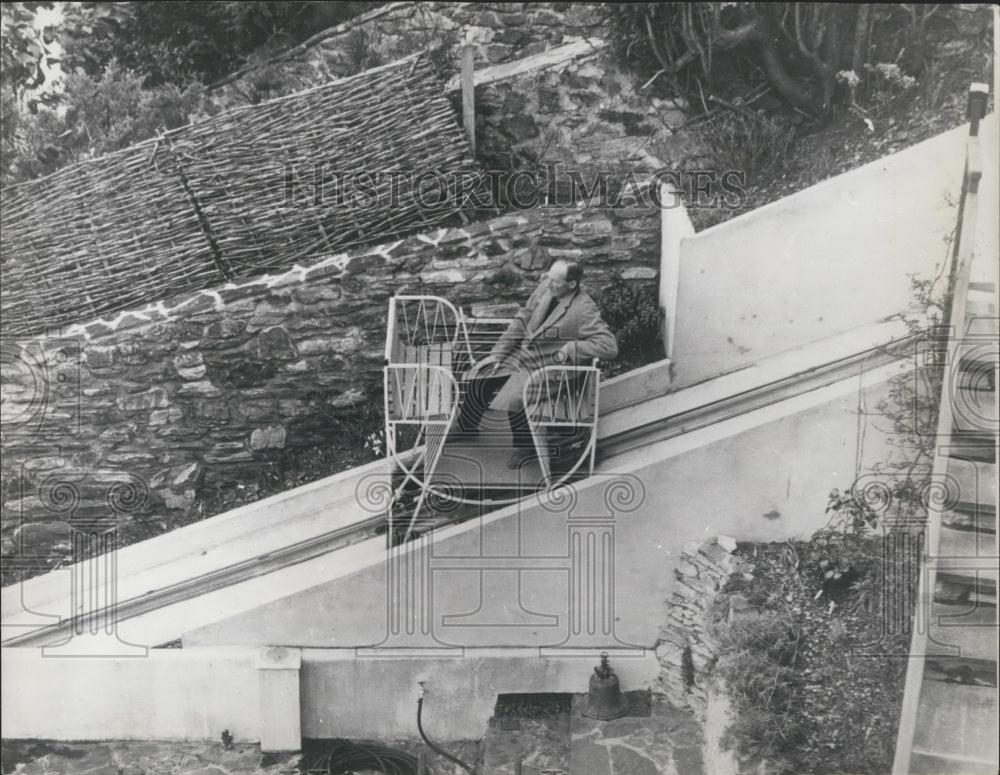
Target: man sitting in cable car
[559,325]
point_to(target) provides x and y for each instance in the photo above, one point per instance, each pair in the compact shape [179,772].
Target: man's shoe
[520,457]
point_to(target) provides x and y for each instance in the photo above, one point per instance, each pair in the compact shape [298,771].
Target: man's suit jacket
[532,339]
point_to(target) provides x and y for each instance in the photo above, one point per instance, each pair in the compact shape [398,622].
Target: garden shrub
[634,314]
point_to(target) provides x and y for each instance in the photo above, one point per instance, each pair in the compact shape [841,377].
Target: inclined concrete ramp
[761,474]
[863,278]
[750,453]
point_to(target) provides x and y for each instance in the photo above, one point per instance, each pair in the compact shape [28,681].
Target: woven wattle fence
[250,190]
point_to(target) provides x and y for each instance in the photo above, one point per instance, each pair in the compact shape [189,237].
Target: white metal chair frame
[425,394]
[417,392]
[562,397]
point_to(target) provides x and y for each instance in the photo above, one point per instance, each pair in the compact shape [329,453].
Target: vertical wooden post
[978,95]
[469,95]
[675,227]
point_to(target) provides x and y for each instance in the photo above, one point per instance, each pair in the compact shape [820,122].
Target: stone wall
[581,112]
[220,380]
[499,32]
[686,651]
[534,105]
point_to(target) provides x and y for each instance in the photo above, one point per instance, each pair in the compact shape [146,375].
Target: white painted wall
[820,262]
[169,694]
[762,476]
[675,229]
[347,696]
[204,547]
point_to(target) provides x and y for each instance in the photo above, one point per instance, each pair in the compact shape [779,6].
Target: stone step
[981,303]
[966,631]
[932,763]
[964,585]
[972,445]
[956,719]
[977,378]
[969,543]
[974,409]
[975,481]
[978,348]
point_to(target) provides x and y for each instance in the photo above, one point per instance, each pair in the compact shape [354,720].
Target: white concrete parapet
[278,670]
[171,694]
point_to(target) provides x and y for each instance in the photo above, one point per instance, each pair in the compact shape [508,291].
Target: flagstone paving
[657,739]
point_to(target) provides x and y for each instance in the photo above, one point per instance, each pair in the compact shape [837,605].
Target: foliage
[753,144]
[849,514]
[23,47]
[759,666]
[816,679]
[865,582]
[131,70]
[796,49]
[99,115]
[634,315]
[896,490]
[195,40]
[361,51]
[266,79]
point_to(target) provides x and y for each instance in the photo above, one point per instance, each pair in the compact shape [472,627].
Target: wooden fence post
[469,94]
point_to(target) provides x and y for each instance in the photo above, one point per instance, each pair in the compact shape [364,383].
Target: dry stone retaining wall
[499,33]
[219,380]
[686,651]
[583,113]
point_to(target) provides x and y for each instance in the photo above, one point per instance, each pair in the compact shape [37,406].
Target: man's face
[558,284]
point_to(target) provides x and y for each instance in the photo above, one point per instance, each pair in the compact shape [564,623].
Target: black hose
[345,757]
[440,751]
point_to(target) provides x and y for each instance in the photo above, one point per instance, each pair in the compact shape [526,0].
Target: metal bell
[605,700]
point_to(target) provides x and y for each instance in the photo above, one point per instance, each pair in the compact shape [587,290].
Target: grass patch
[817,677]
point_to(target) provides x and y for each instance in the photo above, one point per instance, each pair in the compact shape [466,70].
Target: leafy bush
[759,665]
[754,145]
[361,51]
[800,51]
[832,633]
[633,312]
[100,115]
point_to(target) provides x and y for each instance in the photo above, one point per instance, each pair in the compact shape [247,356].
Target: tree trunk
[859,51]
[793,91]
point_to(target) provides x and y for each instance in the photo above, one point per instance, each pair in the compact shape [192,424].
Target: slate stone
[587,757]
[625,760]
[520,127]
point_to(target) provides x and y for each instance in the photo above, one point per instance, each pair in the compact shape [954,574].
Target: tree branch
[654,42]
[786,85]
[745,33]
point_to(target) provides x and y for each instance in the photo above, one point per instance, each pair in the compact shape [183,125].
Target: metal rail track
[666,427]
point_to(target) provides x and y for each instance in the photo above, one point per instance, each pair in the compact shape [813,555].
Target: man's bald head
[564,277]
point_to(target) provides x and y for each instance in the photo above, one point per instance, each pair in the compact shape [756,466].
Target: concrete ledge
[635,387]
[193,694]
[172,694]
[746,378]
